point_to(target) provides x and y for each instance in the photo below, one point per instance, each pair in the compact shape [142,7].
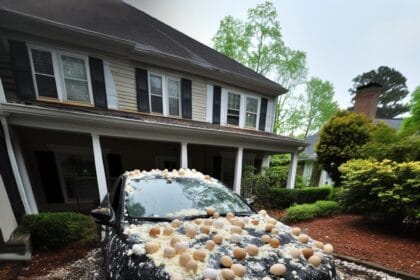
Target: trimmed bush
[55,230]
[280,198]
[301,212]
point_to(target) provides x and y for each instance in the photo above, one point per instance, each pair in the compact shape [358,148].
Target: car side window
[116,194]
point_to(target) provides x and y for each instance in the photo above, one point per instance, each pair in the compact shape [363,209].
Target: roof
[394,123]
[120,20]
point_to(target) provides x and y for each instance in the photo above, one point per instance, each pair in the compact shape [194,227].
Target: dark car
[186,225]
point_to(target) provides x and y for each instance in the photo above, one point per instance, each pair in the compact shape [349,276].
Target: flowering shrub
[385,188]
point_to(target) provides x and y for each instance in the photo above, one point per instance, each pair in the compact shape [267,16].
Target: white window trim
[58,71]
[165,93]
[227,107]
[257,119]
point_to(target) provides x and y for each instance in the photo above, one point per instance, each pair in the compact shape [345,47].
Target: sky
[342,39]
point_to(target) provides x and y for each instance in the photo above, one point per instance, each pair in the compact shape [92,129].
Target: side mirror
[250,201]
[103,216]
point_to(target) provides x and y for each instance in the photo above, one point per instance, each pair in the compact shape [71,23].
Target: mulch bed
[45,262]
[355,236]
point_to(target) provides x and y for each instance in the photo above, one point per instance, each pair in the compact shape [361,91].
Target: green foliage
[386,188]
[301,212]
[394,90]
[411,125]
[55,230]
[341,139]
[319,106]
[280,198]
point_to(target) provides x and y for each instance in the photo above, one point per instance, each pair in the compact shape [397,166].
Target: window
[174,92]
[44,73]
[75,78]
[251,112]
[233,108]
[61,75]
[156,94]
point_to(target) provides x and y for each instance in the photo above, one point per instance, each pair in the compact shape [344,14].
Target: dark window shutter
[186,98]
[22,69]
[142,89]
[217,97]
[97,76]
[263,113]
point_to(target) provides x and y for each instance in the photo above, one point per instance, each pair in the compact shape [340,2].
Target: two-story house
[94,88]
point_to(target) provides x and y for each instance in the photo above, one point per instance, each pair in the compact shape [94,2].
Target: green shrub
[382,188]
[301,212]
[54,230]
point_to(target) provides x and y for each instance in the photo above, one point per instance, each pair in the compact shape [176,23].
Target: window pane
[173,88]
[46,86]
[234,120]
[174,106]
[77,90]
[234,101]
[156,104]
[73,67]
[251,105]
[156,85]
[42,62]
[250,120]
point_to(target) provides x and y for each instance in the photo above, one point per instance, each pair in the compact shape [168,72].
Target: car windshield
[155,197]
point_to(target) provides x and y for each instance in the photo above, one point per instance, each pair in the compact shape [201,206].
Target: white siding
[199,100]
[223,107]
[111,92]
[123,73]
[8,224]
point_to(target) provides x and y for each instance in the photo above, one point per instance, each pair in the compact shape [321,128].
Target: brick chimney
[367,98]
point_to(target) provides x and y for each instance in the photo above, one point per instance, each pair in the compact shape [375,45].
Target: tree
[341,139]
[257,43]
[411,125]
[320,105]
[394,90]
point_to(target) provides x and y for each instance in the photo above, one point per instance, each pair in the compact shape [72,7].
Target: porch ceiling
[119,126]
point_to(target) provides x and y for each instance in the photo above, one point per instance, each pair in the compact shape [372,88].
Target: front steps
[17,248]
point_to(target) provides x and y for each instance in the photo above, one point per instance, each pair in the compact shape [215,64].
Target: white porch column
[99,167]
[15,169]
[291,178]
[2,94]
[238,170]
[184,155]
[265,163]
[322,178]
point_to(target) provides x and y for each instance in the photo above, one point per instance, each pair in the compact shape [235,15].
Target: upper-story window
[251,112]
[165,94]
[233,108]
[61,75]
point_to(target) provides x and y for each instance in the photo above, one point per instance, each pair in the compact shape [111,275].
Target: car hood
[147,254]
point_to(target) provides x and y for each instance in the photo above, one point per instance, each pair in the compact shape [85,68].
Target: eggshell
[315,260]
[216,215]
[176,223]
[181,172]
[269,227]
[180,247]
[294,252]
[278,269]
[176,276]
[184,258]
[238,269]
[210,245]
[219,224]
[190,231]
[169,252]
[228,274]
[208,222]
[255,222]
[191,266]
[252,250]
[274,242]
[136,249]
[266,238]
[319,244]
[275,231]
[174,240]
[328,248]
[262,213]
[235,229]
[296,231]
[307,252]
[210,211]
[154,231]
[266,278]
[226,261]
[303,238]
[218,238]
[199,255]
[230,215]
[210,273]
[235,238]
[239,223]
[271,221]
[198,221]
[168,230]
[239,253]
[205,229]
[151,247]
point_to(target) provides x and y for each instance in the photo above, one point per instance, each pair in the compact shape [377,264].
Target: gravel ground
[90,268]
